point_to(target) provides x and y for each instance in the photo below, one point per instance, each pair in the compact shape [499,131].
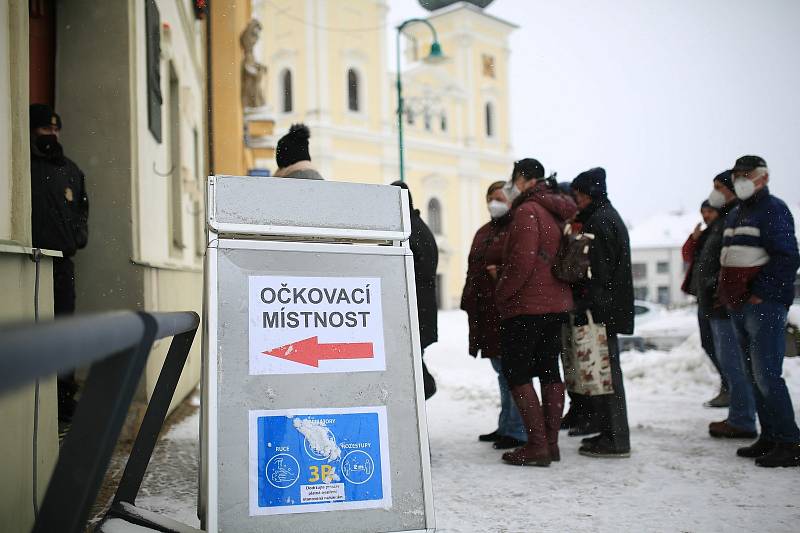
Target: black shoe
[723,399]
[591,440]
[782,454]
[603,448]
[584,428]
[489,437]
[505,442]
[759,448]
[570,419]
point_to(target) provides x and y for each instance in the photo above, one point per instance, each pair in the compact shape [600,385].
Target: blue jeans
[509,423]
[761,330]
[742,409]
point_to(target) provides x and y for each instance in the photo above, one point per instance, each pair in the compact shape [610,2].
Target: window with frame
[153,56]
[639,270]
[286,89]
[663,295]
[175,160]
[489,112]
[662,267]
[353,103]
[435,216]
[640,293]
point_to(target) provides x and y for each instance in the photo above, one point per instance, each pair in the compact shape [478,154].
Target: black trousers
[63,286]
[531,346]
[611,410]
[64,305]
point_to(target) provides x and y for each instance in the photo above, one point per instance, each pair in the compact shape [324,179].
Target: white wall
[653,280]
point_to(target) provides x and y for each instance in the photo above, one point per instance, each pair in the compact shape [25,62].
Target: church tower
[328,66]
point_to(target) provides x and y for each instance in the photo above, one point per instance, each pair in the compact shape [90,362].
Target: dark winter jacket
[426,260]
[526,283]
[689,253]
[59,205]
[705,273]
[759,252]
[609,292]
[477,299]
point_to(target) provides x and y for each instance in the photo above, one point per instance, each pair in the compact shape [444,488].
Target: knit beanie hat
[42,116]
[725,178]
[293,146]
[592,182]
[530,168]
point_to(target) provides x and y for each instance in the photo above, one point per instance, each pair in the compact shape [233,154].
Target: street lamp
[434,57]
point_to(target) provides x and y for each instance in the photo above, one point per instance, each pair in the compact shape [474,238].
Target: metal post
[400,104]
[400,101]
[154,417]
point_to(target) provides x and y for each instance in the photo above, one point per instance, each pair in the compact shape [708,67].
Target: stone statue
[252,71]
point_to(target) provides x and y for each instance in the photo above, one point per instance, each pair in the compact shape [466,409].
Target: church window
[286,86]
[353,103]
[489,110]
[435,216]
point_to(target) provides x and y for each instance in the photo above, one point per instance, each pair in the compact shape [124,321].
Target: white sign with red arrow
[306,325]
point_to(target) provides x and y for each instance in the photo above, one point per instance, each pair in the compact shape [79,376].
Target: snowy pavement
[678,478]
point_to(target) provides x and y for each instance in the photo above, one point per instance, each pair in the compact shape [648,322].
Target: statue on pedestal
[253,72]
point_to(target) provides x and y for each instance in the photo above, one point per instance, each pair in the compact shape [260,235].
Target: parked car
[644,312]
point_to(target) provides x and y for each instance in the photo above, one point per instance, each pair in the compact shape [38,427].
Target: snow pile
[685,369]
[794,316]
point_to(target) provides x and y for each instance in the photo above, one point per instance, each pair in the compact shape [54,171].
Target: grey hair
[759,172]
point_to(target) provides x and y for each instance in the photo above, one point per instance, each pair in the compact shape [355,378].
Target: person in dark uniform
[59,216]
[426,260]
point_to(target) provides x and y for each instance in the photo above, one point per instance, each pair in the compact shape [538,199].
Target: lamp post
[434,56]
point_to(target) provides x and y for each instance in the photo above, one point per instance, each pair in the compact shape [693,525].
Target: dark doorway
[42,49]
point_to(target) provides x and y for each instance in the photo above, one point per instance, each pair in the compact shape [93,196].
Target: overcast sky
[662,93]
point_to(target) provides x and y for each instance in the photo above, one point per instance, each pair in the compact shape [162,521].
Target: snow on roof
[670,230]
[667,230]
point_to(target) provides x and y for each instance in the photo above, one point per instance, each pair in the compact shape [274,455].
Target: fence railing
[115,346]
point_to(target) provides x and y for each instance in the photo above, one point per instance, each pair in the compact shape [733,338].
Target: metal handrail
[30,351]
[116,345]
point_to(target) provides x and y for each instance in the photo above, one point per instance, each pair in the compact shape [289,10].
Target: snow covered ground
[678,478]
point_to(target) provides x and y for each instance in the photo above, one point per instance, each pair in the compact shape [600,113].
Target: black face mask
[49,146]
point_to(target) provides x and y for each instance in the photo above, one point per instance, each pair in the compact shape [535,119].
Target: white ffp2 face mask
[744,187]
[497,208]
[716,199]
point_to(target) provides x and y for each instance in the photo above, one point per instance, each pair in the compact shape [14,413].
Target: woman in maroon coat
[533,305]
[484,323]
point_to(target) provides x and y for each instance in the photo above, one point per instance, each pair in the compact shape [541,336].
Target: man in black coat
[609,296]
[59,219]
[426,260]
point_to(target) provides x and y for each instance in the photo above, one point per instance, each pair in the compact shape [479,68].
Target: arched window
[353,103]
[489,119]
[444,122]
[427,121]
[286,84]
[410,117]
[435,216]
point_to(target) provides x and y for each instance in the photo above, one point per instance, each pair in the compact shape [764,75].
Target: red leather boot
[534,452]
[553,407]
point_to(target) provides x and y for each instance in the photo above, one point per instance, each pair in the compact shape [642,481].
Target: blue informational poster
[309,460]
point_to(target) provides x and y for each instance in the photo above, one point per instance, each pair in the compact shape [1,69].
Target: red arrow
[310,352]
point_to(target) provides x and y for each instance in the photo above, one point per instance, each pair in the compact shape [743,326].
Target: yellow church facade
[329,67]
